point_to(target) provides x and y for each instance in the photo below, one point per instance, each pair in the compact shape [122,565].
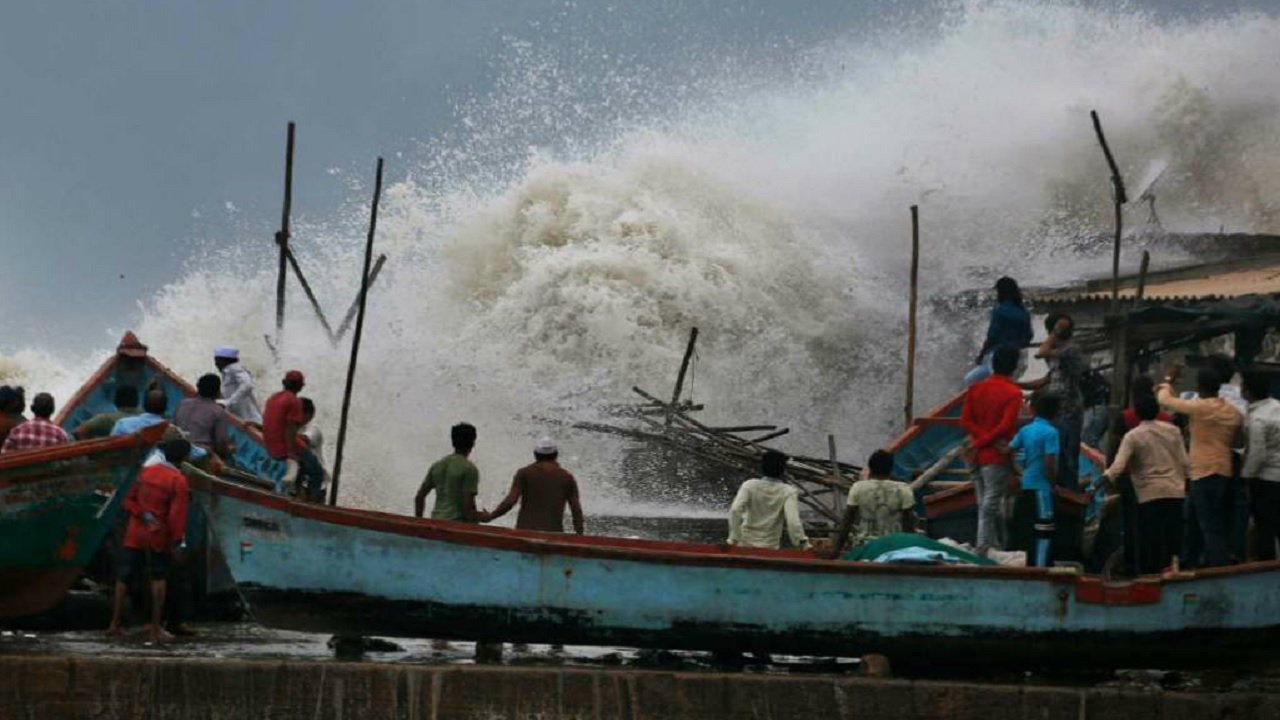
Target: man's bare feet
[113,631]
[158,634]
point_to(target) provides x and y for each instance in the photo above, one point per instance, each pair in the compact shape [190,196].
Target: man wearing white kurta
[764,506]
[237,385]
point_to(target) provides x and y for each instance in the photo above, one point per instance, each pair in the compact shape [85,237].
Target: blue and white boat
[309,567]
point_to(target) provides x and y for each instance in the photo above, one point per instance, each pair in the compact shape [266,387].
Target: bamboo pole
[282,237]
[684,366]
[835,472]
[355,339]
[355,304]
[1142,277]
[909,407]
[311,296]
[941,464]
[1121,198]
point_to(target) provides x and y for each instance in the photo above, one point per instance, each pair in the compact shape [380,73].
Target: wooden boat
[310,567]
[56,505]
[132,365]
[950,504]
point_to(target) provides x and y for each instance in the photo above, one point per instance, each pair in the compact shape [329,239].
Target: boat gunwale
[667,552]
[69,451]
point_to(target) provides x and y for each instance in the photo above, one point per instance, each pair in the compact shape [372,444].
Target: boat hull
[56,505]
[312,568]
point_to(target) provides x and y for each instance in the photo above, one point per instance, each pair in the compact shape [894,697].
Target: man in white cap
[542,489]
[237,385]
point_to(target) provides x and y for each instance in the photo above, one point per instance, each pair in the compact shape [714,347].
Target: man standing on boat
[764,506]
[1215,429]
[990,417]
[543,489]
[1066,380]
[154,405]
[203,419]
[1010,325]
[100,425]
[237,385]
[877,506]
[39,431]
[157,508]
[455,479]
[1035,449]
[282,419]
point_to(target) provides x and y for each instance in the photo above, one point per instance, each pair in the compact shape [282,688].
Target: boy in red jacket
[157,509]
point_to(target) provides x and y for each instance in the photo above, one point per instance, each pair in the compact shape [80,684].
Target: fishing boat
[308,567]
[929,454]
[133,365]
[56,505]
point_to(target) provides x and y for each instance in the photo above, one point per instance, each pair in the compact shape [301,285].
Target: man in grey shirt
[203,420]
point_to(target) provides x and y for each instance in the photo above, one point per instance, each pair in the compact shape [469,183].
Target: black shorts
[135,563]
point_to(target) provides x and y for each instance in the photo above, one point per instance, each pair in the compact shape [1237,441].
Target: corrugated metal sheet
[1264,280]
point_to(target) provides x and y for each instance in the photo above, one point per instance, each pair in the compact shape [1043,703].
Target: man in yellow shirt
[1215,430]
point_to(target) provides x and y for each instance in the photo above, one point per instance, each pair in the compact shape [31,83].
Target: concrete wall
[39,687]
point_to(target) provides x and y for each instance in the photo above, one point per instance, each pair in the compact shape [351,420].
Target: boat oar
[942,464]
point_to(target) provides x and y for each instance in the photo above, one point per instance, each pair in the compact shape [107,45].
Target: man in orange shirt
[990,417]
[157,510]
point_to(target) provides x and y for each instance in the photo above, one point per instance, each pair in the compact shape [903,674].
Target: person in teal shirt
[455,480]
[1035,449]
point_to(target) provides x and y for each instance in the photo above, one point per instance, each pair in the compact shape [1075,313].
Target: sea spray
[556,249]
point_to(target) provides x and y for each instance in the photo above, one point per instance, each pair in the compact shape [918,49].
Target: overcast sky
[126,124]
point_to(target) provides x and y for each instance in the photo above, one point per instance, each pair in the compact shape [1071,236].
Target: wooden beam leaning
[355,340]
[355,304]
[311,296]
[909,407]
[282,236]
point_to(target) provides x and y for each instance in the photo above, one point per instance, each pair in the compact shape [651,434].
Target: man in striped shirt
[37,432]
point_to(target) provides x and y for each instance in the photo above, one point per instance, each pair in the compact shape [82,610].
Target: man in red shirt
[990,417]
[282,417]
[157,509]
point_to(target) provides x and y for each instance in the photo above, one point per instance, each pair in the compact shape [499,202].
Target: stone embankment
[70,688]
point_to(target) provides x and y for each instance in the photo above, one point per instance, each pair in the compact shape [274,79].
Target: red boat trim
[916,428]
[1094,591]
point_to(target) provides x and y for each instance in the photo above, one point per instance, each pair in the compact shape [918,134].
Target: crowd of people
[1188,496]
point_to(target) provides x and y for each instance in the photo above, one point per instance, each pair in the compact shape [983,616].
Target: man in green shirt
[455,480]
[100,425]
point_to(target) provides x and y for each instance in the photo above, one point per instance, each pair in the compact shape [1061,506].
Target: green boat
[56,505]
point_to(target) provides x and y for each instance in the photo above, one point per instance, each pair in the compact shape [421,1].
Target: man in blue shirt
[154,405]
[1035,449]
[1010,325]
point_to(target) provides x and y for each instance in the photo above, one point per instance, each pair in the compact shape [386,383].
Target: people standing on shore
[1035,449]
[1262,462]
[1155,459]
[455,480]
[100,425]
[1215,429]
[39,431]
[990,418]
[156,505]
[877,506]
[12,402]
[764,506]
[203,419]
[542,489]
[237,385]
[1010,324]
[282,418]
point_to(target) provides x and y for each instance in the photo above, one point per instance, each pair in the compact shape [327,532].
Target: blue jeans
[982,370]
[1208,511]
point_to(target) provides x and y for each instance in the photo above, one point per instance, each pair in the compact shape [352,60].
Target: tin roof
[1258,275]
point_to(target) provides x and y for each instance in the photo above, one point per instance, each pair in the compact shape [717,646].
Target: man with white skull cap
[237,385]
[543,489]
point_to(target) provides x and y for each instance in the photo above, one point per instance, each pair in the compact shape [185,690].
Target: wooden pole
[355,339]
[835,471]
[306,288]
[1142,277]
[909,408]
[282,237]
[684,366]
[1117,183]
[355,304]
